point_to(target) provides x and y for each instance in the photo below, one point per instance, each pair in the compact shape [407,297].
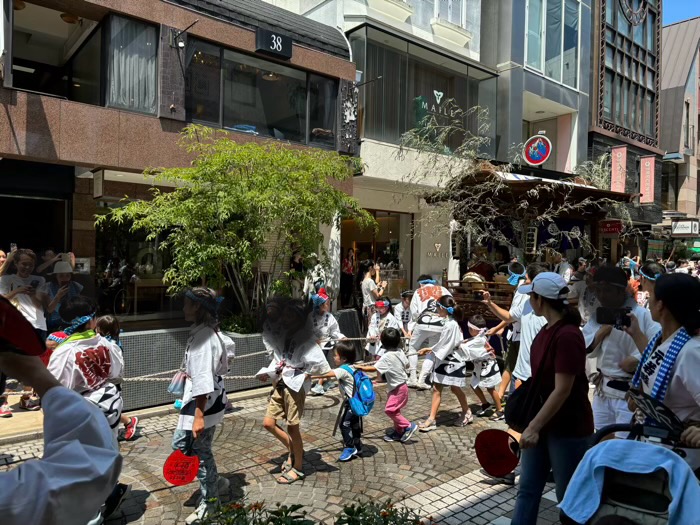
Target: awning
[525,182]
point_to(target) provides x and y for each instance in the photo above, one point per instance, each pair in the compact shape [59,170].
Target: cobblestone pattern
[435,472]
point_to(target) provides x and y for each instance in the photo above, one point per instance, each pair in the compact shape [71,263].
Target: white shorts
[610,411]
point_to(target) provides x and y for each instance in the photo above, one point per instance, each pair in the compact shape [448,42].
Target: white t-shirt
[205,363]
[346,381]
[587,301]
[516,305]
[616,347]
[531,325]
[23,302]
[367,286]
[393,366]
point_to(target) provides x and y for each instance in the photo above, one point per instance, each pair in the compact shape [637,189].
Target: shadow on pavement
[235,491]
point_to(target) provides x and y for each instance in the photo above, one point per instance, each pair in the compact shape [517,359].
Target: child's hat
[320,298]
[384,303]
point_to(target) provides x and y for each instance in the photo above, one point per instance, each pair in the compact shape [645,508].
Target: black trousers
[346,282]
[351,428]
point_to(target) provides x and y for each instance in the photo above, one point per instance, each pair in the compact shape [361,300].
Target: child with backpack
[358,398]
[393,366]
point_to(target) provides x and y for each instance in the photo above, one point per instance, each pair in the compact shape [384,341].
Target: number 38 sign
[273,43]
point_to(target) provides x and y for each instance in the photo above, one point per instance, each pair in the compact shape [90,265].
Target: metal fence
[153,351]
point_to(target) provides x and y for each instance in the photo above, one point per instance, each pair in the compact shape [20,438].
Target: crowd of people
[595,324]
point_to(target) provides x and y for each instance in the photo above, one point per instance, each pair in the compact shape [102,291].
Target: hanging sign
[618,168]
[646,178]
[273,43]
[537,150]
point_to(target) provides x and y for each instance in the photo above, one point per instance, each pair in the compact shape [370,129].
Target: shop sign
[685,228]
[618,169]
[646,178]
[613,227]
[437,253]
[537,150]
[273,43]
[435,107]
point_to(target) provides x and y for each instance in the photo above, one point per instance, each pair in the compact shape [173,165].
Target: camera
[618,317]
[478,296]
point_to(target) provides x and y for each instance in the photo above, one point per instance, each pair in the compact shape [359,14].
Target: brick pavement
[435,473]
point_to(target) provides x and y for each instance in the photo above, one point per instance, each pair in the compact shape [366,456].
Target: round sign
[180,469]
[497,451]
[537,150]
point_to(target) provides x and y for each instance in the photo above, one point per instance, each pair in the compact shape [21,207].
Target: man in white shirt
[582,294]
[615,351]
[530,324]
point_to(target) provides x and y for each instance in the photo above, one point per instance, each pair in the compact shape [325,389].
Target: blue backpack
[363,396]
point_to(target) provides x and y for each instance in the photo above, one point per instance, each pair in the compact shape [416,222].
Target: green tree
[238,204]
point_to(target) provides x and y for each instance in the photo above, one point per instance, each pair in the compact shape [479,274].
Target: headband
[450,309]
[58,337]
[425,282]
[205,302]
[641,272]
[481,331]
[77,323]
[382,304]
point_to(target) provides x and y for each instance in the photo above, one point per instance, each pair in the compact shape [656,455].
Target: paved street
[435,473]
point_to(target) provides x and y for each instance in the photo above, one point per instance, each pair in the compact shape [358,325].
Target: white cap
[62,267]
[547,284]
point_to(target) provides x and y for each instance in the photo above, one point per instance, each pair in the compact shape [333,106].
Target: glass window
[132,65]
[85,85]
[263,98]
[618,85]
[423,13]
[639,33]
[650,114]
[610,11]
[570,73]
[203,82]
[609,54]
[626,117]
[636,113]
[384,99]
[553,44]
[623,25]
[607,99]
[650,79]
[323,93]
[651,31]
[610,36]
[451,10]
[534,34]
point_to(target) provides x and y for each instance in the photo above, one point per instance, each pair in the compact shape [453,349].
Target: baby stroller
[634,482]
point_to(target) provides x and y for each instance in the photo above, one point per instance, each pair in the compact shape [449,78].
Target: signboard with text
[273,43]
[611,228]
[618,168]
[646,179]
[685,228]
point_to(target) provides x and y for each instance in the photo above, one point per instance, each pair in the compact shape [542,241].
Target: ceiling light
[540,112]
[69,18]
[272,77]
[76,85]
[18,5]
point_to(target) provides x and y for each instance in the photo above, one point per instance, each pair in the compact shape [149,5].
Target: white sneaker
[318,390]
[422,386]
[412,383]
[202,511]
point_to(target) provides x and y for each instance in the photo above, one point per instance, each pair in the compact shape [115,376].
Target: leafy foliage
[239,204]
[477,194]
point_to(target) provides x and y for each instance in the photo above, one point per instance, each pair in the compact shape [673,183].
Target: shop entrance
[36,223]
[391,247]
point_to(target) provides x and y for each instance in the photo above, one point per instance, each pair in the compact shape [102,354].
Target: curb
[143,414]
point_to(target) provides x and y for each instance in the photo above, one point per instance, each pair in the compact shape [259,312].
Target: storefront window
[404,83]
[132,66]
[390,247]
[85,85]
[129,275]
[322,110]
[203,82]
[263,98]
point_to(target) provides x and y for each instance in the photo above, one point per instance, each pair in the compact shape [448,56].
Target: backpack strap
[348,369]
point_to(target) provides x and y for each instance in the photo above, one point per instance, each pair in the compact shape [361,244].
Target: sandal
[427,425]
[287,465]
[289,479]
[465,419]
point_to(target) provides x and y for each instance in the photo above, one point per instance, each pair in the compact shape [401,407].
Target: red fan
[497,451]
[16,330]
[180,469]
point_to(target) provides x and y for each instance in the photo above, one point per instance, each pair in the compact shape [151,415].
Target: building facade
[95,91]
[625,104]
[680,118]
